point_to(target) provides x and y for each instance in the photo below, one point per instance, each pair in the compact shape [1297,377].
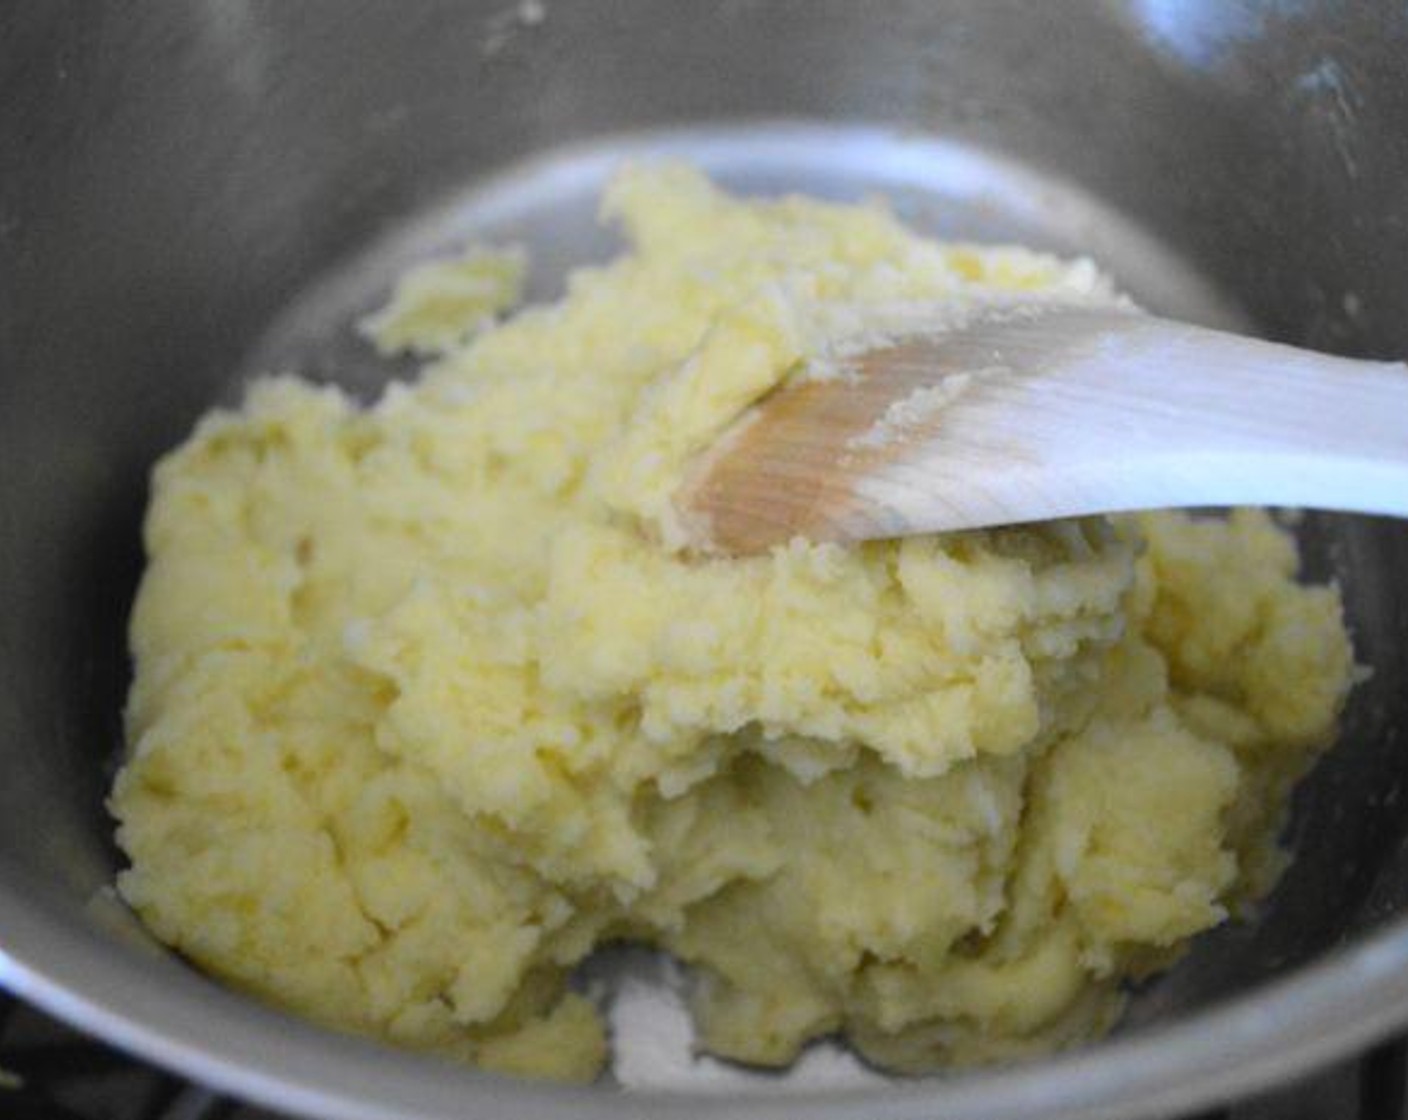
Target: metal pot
[191,191]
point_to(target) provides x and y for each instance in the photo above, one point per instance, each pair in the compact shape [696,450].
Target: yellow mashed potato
[428,703]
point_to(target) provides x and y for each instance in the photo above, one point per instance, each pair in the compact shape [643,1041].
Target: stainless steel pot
[191,190]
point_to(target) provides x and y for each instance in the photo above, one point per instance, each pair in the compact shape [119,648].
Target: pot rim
[162,1010]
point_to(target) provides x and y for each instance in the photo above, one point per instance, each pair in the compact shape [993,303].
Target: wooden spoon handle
[1058,413]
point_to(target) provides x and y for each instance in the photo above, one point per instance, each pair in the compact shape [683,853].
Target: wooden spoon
[1052,411]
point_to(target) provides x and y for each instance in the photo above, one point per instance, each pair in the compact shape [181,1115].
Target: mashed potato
[428,703]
